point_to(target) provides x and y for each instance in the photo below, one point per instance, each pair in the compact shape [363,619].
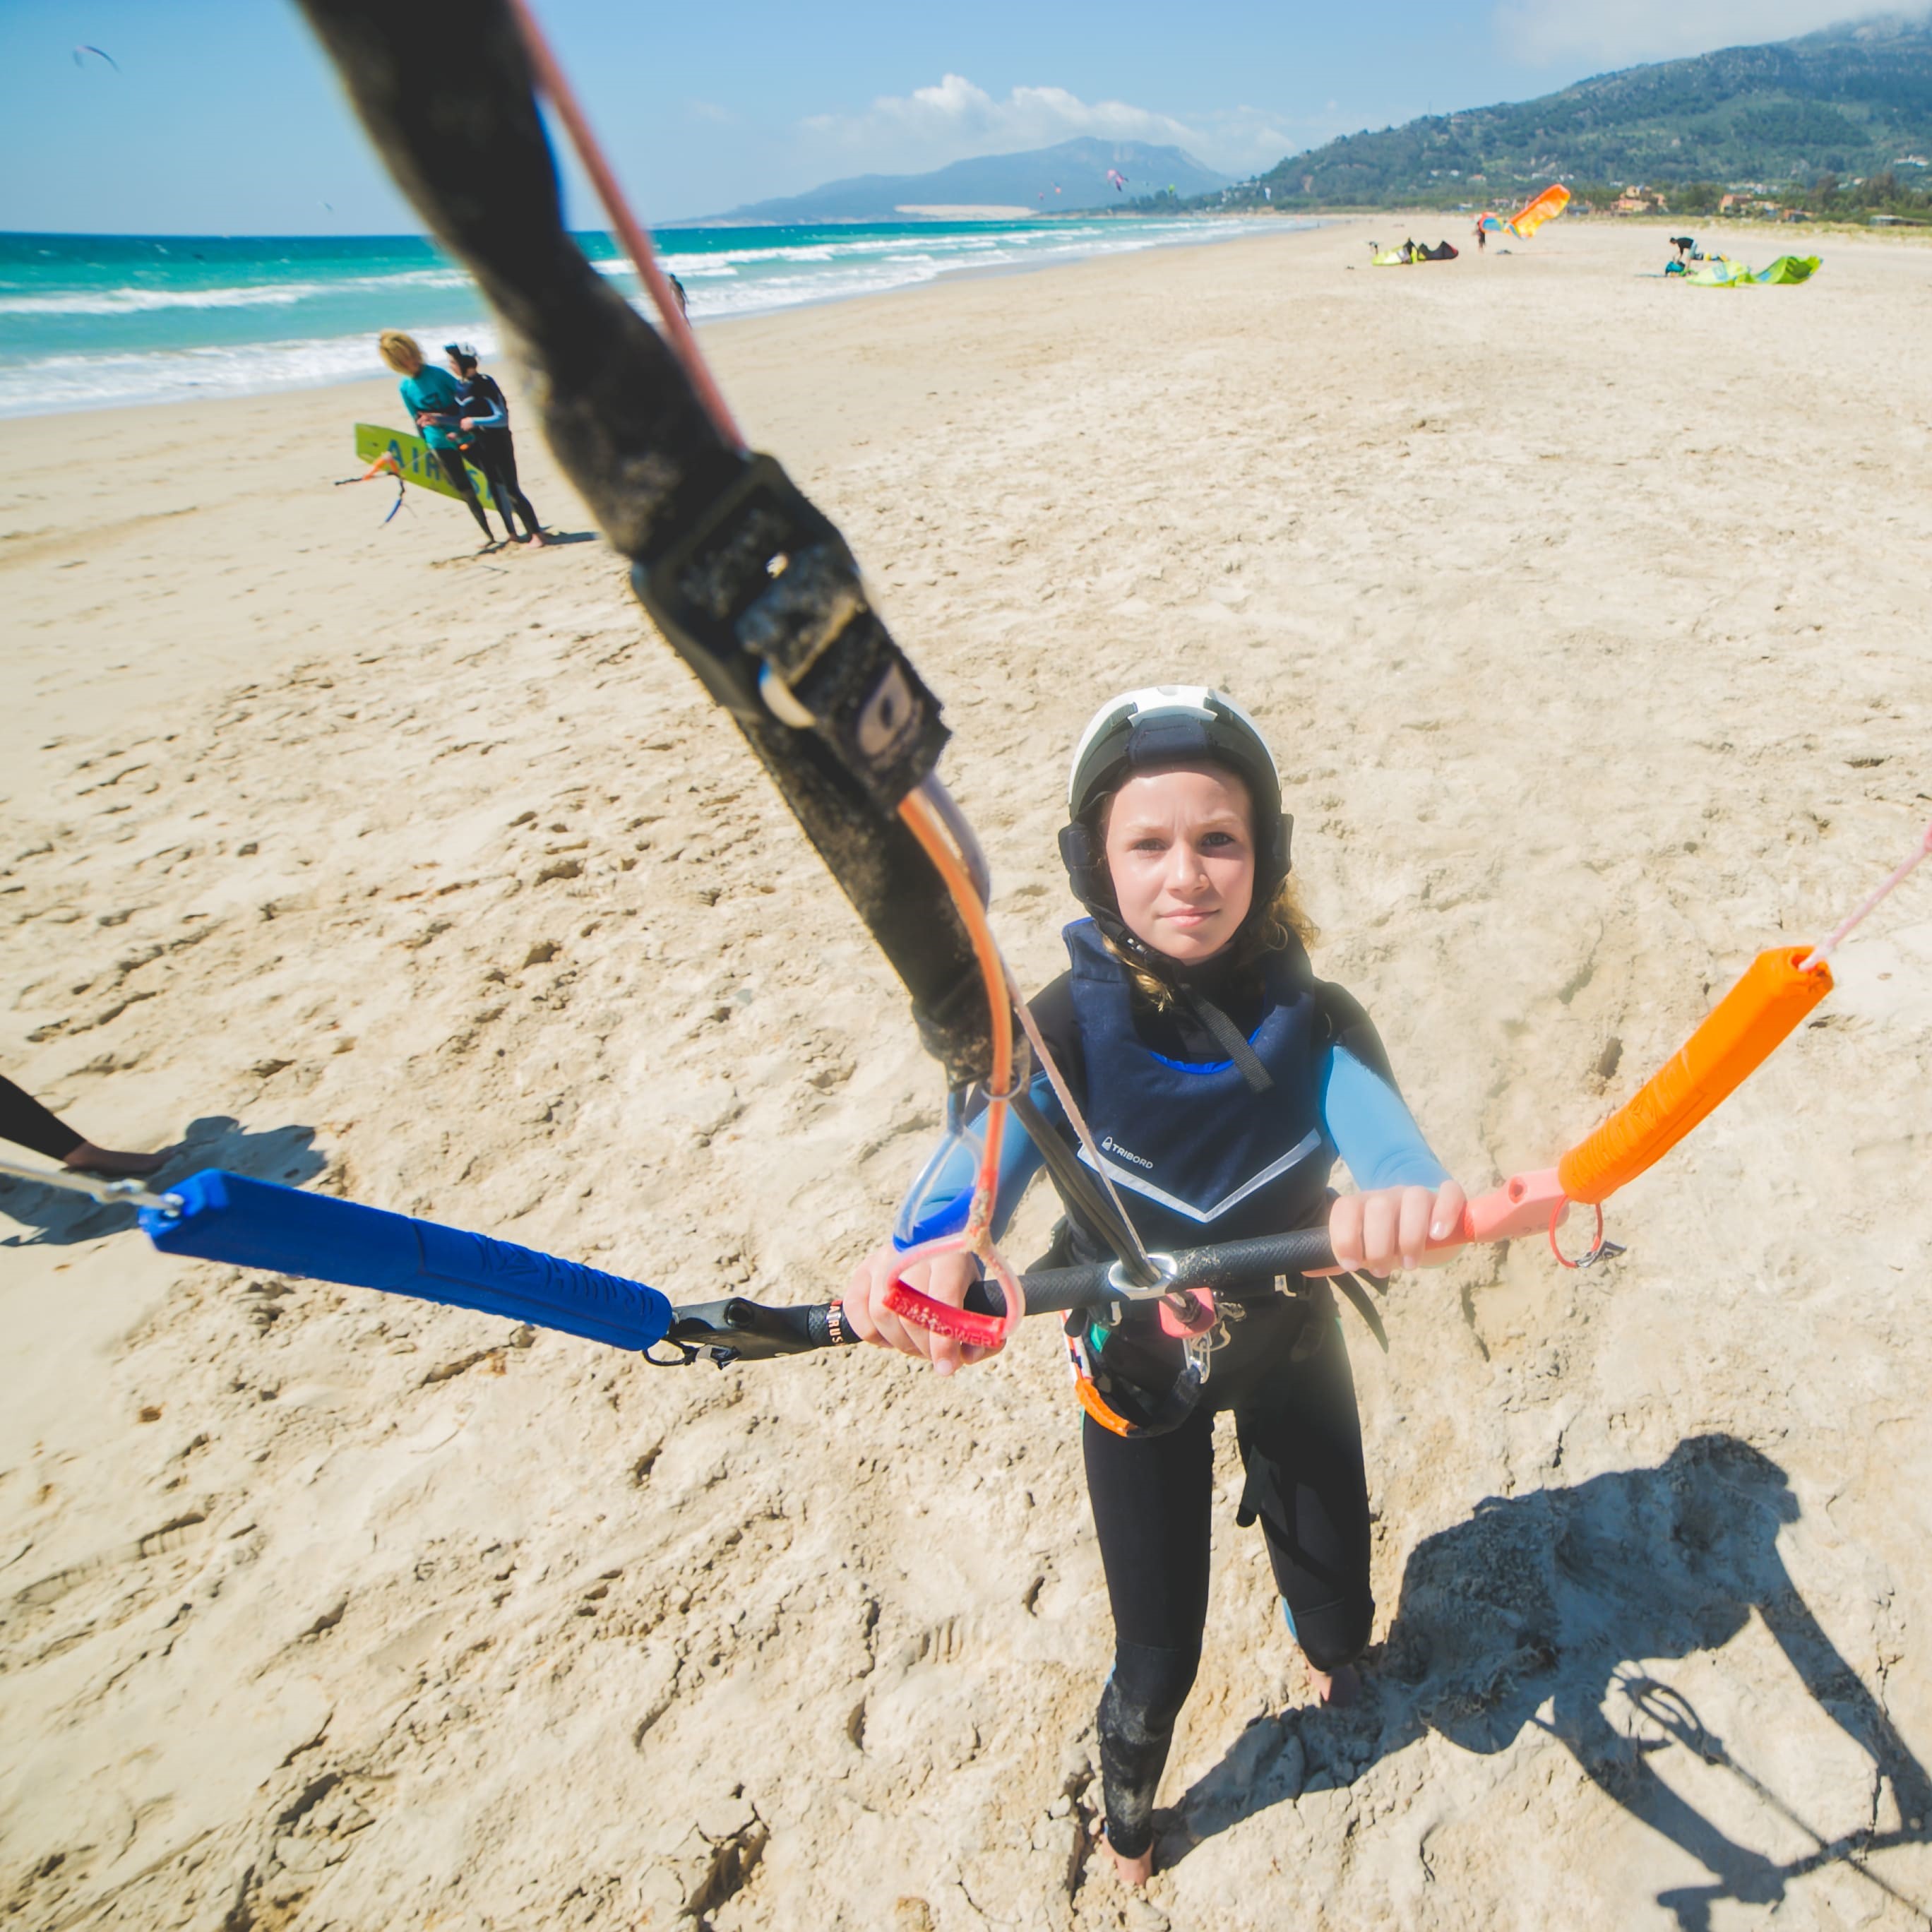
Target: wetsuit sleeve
[486,396]
[1369,1125]
[940,1200]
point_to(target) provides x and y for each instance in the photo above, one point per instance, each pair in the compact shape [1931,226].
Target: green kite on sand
[1721,272]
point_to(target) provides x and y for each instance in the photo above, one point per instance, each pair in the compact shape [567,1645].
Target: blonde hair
[403,353]
[1284,922]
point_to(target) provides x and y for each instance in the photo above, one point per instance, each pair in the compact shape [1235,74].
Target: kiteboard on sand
[415,461]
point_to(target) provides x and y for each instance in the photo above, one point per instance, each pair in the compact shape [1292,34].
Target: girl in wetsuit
[483,420]
[430,395]
[1221,1081]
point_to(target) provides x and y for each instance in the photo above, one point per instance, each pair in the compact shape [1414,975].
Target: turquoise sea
[98,321]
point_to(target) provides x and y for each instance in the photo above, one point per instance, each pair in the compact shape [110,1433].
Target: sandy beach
[1586,613]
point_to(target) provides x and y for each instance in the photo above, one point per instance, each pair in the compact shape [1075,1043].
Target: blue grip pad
[257,1224]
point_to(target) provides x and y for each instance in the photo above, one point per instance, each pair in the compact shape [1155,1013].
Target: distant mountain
[1048,181]
[1853,101]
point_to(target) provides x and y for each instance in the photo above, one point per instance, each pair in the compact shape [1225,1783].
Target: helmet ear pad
[1084,852]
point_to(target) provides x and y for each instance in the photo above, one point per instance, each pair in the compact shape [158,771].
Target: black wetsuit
[28,1124]
[492,449]
[1283,1375]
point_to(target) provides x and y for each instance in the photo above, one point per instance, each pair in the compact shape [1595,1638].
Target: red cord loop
[941,1317]
[1598,1248]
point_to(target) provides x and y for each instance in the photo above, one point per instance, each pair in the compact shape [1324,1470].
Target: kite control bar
[740,1330]
[230,1217]
[737,1330]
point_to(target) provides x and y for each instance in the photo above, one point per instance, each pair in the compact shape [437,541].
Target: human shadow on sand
[216,1140]
[1545,1599]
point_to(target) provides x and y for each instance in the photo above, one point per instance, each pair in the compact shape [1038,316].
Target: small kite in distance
[103,53]
[1119,180]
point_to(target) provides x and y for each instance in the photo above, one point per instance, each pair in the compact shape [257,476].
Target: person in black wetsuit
[1221,1081]
[429,395]
[483,418]
[24,1121]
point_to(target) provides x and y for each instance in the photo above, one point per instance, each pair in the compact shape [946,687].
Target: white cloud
[1627,32]
[906,133]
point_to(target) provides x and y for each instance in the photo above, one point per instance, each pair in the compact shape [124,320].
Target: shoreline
[484,329]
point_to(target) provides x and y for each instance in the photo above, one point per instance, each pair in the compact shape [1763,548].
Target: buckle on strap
[764,601]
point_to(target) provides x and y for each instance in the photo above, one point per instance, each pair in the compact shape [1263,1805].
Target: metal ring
[1022,1080]
[687,1355]
[1165,1267]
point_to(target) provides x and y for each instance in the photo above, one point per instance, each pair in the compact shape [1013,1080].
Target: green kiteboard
[415,461]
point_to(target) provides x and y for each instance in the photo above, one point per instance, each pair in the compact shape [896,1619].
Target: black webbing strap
[1233,1042]
[748,580]
[1085,1200]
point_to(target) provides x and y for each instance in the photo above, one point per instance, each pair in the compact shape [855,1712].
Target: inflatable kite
[1721,272]
[1411,252]
[1529,218]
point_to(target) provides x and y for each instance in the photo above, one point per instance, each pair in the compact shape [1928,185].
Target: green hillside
[1853,101]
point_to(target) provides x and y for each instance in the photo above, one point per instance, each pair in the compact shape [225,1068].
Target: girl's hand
[945,1277]
[1389,1228]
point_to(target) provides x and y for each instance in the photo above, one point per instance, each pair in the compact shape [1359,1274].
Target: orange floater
[1744,1028]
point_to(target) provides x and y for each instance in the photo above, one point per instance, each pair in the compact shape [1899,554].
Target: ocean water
[95,322]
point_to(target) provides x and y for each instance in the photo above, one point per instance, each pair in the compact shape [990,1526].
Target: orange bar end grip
[1748,1024]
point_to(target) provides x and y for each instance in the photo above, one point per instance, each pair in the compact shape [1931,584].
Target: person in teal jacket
[431,396]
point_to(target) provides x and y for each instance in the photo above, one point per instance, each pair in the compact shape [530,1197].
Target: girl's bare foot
[1132,1873]
[1338,1689]
[89,1158]
[536,540]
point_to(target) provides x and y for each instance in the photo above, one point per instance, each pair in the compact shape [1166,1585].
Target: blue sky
[223,117]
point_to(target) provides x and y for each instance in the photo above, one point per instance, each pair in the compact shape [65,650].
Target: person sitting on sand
[24,1121]
[484,420]
[430,395]
[1224,1080]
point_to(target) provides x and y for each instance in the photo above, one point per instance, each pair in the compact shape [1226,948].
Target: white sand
[1587,613]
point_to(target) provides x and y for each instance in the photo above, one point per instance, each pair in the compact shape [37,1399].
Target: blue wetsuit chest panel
[1198,1155]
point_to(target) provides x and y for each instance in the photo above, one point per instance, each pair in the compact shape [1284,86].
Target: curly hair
[402,352]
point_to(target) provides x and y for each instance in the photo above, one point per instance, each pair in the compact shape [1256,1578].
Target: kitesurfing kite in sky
[101,52]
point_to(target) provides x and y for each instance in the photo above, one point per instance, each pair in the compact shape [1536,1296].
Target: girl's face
[1180,851]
